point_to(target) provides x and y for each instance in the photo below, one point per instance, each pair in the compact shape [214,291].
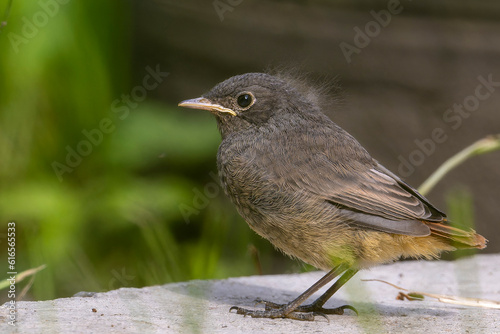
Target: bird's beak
[205,104]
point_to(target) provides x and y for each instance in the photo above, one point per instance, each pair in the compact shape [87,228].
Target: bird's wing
[375,199]
[365,193]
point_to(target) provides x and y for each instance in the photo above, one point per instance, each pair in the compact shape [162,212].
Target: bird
[309,187]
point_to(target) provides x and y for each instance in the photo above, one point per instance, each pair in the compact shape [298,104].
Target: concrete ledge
[202,306]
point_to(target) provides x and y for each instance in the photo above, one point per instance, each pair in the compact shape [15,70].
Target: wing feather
[365,192]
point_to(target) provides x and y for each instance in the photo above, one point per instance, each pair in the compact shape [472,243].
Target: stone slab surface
[202,306]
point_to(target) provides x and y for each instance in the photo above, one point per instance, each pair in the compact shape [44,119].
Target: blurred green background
[110,184]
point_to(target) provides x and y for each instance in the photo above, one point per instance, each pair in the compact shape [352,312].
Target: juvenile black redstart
[306,185]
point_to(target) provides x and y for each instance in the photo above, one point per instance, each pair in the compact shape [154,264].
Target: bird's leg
[289,310]
[317,305]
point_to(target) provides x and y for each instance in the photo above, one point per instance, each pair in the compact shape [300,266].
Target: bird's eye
[245,100]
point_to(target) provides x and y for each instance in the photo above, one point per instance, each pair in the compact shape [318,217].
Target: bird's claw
[308,308]
[275,313]
[305,313]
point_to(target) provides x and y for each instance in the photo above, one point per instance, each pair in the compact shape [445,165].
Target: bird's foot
[304,313]
[272,313]
[310,308]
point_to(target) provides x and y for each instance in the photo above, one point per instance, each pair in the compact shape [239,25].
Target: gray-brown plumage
[313,191]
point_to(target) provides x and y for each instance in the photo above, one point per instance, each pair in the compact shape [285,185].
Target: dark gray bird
[313,191]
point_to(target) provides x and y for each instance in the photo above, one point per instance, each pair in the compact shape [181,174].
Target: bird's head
[249,100]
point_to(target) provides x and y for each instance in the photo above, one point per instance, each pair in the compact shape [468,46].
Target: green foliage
[113,219]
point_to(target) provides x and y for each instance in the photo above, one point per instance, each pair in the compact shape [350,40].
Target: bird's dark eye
[245,100]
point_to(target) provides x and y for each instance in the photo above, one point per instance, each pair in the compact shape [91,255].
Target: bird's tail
[458,237]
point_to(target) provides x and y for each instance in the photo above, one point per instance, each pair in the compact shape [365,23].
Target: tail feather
[459,237]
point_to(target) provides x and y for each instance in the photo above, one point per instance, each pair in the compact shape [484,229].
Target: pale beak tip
[197,103]
[203,103]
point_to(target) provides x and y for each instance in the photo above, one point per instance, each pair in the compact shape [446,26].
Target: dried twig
[465,301]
